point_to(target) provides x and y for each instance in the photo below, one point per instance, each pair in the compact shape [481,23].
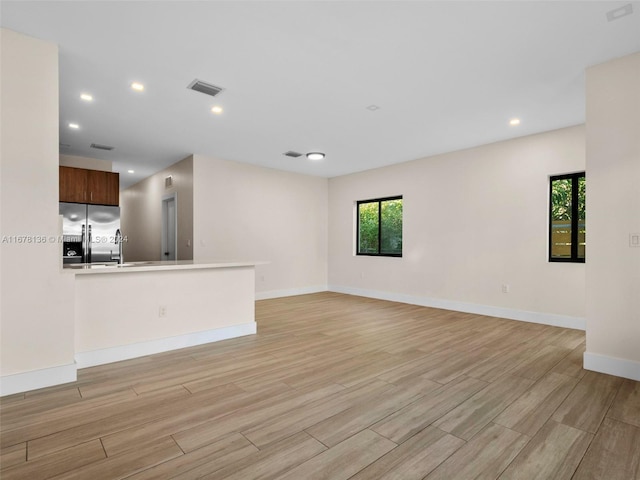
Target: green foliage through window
[567,218]
[380,227]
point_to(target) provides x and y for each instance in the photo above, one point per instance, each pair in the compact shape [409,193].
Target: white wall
[473,220]
[85,162]
[253,213]
[36,299]
[613,213]
[141,213]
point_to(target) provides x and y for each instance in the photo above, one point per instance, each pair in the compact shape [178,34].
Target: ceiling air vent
[292,154]
[204,87]
[620,12]
[97,146]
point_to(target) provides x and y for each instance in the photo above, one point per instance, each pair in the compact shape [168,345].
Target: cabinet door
[73,184]
[103,188]
[113,189]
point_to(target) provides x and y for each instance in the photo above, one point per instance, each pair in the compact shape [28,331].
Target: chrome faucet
[119,242]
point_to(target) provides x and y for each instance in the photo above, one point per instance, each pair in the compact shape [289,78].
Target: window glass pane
[561,218]
[391,231]
[582,218]
[368,227]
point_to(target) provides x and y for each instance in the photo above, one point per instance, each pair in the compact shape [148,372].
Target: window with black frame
[567,218]
[379,228]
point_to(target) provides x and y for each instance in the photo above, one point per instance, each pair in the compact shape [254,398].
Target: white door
[169,230]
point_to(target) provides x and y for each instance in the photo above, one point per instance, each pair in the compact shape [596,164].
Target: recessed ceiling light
[75,126]
[373,108]
[315,155]
[216,109]
[137,86]
[514,121]
[86,97]
[131,171]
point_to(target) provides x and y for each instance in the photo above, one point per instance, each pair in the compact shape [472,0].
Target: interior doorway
[169,227]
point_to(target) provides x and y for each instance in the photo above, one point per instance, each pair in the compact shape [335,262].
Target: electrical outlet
[505,288]
[162,311]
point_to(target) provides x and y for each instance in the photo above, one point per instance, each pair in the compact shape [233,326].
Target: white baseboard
[290,292]
[125,352]
[577,323]
[612,365]
[46,377]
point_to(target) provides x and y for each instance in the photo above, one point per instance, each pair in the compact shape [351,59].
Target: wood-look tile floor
[338,387]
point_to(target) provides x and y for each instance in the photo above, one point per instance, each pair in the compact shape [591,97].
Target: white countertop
[130,267]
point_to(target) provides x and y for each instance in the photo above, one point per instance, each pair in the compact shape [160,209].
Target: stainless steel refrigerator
[89,233]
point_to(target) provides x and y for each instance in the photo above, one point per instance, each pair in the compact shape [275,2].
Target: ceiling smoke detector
[292,154]
[204,87]
[97,146]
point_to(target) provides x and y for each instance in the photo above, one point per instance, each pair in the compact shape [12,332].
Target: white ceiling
[299,76]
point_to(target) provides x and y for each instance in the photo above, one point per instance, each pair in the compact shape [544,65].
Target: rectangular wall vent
[204,87]
[292,154]
[168,181]
[101,147]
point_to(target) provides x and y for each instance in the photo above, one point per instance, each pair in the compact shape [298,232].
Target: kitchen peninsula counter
[100,268]
[141,308]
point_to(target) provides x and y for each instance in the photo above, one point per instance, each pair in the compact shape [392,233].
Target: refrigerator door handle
[89,240]
[83,245]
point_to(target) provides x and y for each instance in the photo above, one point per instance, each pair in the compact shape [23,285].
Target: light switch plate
[634,239]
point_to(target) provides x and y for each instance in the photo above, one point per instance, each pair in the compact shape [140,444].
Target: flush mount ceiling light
[131,171]
[138,87]
[373,108]
[86,97]
[315,155]
[75,126]
[217,109]
[514,121]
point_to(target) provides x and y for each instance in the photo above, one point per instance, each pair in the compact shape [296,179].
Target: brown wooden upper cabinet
[89,186]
